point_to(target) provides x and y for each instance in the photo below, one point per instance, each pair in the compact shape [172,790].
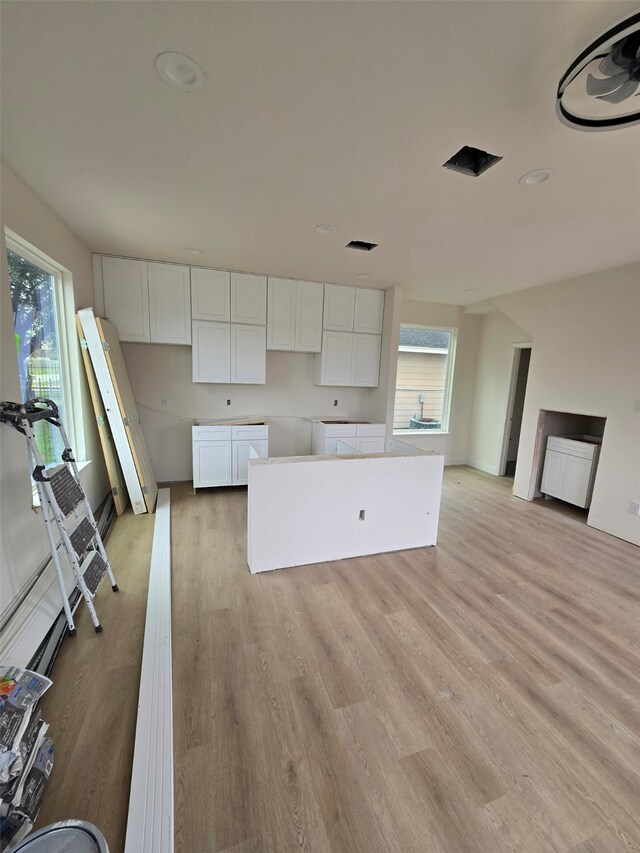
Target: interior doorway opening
[515,409]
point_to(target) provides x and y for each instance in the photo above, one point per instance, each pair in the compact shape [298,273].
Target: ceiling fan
[601,88]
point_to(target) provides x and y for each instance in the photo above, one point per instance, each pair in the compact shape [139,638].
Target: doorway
[515,409]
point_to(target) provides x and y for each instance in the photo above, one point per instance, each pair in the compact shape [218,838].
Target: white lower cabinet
[365,437]
[211,463]
[569,469]
[228,353]
[221,453]
[240,455]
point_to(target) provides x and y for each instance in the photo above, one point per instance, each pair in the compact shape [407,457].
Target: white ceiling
[323,112]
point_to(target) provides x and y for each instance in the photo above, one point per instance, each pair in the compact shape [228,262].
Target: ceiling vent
[471,161]
[362,245]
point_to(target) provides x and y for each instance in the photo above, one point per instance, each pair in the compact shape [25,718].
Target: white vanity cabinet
[294,315]
[569,468]
[147,302]
[365,437]
[221,452]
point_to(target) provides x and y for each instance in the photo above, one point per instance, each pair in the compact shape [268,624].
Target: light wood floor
[93,702]
[482,696]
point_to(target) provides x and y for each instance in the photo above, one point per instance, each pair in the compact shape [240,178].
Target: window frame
[65,323]
[448,387]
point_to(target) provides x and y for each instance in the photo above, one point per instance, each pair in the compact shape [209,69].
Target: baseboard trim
[151,811]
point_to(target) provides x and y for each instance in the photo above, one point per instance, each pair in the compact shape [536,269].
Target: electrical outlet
[163,402]
[634,507]
[228,402]
[335,402]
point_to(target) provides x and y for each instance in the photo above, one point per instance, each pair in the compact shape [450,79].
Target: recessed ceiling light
[538,176]
[326,229]
[363,275]
[472,290]
[191,250]
[180,71]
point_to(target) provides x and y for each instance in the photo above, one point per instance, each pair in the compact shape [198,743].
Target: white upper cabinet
[169,304]
[210,294]
[281,314]
[294,316]
[248,299]
[309,316]
[348,359]
[126,297]
[339,305]
[333,365]
[211,351]
[353,309]
[147,302]
[248,354]
[365,361]
[369,309]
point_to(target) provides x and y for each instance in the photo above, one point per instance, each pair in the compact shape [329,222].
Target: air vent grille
[361,245]
[471,161]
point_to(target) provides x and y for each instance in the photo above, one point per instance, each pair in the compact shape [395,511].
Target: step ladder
[64,502]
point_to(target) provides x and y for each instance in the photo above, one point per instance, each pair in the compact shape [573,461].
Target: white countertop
[232,422]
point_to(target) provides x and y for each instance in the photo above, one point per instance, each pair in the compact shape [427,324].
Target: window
[423,382]
[37,298]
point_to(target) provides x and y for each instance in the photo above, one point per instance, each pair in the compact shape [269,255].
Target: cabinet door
[374,444]
[577,475]
[240,454]
[553,473]
[211,463]
[339,304]
[248,354]
[248,298]
[210,295]
[211,351]
[335,359]
[169,304]
[365,361]
[308,327]
[126,297]
[369,309]
[281,314]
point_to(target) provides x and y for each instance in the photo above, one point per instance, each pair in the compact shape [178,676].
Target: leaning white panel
[151,816]
[110,400]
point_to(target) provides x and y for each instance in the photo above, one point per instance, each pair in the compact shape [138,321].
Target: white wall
[398,495]
[586,359]
[493,377]
[158,371]
[454,444]
[23,543]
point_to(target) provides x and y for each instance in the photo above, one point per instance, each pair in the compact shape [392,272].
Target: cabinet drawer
[249,431]
[339,430]
[569,445]
[211,433]
[363,430]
